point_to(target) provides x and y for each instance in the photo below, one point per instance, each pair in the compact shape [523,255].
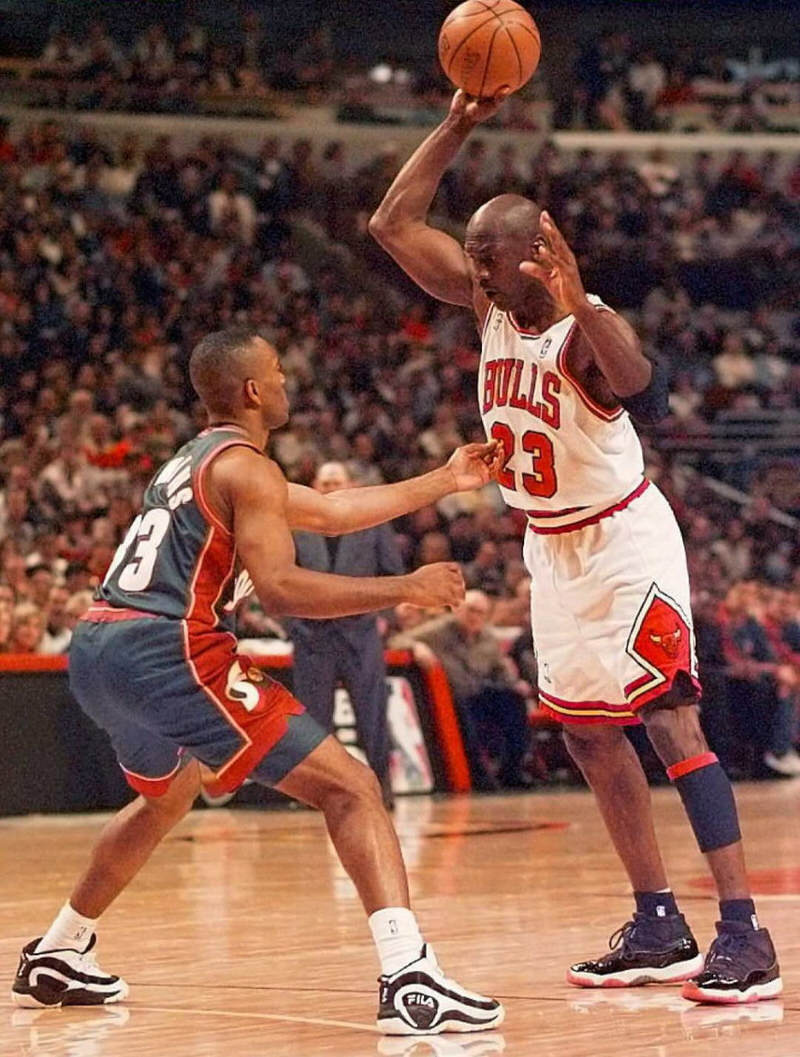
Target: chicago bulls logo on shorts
[661,642]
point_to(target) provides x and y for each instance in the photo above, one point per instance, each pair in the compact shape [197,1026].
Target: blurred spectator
[763,689]
[58,631]
[27,628]
[347,650]
[487,690]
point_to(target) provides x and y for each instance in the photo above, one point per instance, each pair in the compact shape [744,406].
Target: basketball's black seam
[516,51]
[486,7]
[464,40]
[488,59]
[527,29]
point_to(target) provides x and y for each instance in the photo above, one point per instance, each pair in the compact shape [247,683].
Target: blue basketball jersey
[177,559]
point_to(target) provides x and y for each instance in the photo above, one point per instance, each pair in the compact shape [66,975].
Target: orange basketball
[486,45]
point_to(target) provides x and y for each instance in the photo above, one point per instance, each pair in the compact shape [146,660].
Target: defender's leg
[59,969]
[349,795]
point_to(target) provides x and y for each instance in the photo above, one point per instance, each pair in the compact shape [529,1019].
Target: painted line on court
[231,1015]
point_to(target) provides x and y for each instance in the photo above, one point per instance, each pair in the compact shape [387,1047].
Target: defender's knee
[355,786]
[675,732]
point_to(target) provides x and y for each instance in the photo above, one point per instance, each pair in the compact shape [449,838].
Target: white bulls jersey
[565,453]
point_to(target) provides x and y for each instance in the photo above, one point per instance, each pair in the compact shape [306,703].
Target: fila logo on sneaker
[421,1008]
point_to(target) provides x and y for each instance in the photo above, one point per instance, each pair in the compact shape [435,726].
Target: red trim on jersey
[105,613]
[150,786]
[211,573]
[693,763]
[524,330]
[199,474]
[606,414]
[608,512]
[586,712]
[555,513]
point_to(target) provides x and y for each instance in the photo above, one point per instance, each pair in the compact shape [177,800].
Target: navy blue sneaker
[741,966]
[646,950]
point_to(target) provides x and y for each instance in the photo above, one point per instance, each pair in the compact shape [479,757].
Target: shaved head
[499,238]
[505,216]
[219,366]
[236,372]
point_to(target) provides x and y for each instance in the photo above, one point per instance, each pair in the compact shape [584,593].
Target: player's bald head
[221,363]
[503,217]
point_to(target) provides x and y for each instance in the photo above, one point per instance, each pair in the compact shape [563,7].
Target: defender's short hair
[216,367]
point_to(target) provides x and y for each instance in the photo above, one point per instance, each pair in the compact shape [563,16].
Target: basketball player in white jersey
[561,378]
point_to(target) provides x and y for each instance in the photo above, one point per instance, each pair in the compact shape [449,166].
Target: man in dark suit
[348,649]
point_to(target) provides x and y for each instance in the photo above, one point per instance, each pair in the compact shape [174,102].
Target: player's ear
[252,395]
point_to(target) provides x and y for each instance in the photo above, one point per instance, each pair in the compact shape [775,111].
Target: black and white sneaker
[647,950]
[64,978]
[741,966]
[420,1000]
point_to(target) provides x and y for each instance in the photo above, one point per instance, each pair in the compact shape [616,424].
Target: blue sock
[741,910]
[656,904]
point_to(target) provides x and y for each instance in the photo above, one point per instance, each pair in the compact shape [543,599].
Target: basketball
[486,45]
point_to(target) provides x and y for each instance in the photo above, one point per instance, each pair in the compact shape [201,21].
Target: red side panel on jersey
[257,707]
[661,641]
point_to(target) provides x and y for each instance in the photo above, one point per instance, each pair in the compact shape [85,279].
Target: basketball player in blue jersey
[155,664]
[561,377]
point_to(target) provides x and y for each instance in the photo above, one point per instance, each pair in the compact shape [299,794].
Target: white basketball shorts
[610,608]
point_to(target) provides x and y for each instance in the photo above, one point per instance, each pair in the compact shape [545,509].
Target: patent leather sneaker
[646,950]
[741,966]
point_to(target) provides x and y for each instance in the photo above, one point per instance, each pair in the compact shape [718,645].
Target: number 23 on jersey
[540,480]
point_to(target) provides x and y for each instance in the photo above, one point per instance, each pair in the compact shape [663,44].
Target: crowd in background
[619,80]
[115,261]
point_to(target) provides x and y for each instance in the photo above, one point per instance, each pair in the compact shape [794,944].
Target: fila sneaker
[420,1000]
[647,950]
[64,978]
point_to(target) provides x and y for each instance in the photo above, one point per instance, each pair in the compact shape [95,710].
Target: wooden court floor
[244,938]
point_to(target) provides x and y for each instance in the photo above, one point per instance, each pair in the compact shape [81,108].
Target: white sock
[70,931]
[397,938]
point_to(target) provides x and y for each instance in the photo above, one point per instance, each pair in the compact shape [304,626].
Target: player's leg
[128,841]
[657,945]
[741,964]
[349,796]
[415,996]
[613,772]
[60,968]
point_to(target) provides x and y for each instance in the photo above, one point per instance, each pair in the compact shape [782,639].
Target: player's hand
[474,465]
[440,584]
[468,110]
[553,263]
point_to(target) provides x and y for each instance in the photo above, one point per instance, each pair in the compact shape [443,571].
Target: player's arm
[351,509]
[433,259]
[250,493]
[613,344]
